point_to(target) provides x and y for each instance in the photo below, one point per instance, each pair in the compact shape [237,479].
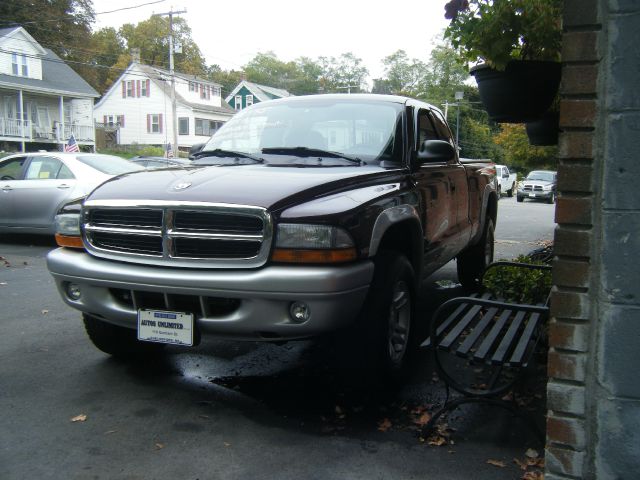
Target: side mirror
[436,151]
[195,149]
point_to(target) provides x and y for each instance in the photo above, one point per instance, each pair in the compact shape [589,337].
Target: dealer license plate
[532,195]
[165,327]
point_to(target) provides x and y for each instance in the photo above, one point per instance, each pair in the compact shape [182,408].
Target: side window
[441,126]
[43,168]
[65,173]
[12,169]
[426,130]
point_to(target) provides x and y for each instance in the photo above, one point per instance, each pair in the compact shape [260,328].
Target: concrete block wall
[593,426]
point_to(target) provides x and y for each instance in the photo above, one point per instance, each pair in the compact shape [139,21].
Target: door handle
[64,186]
[7,188]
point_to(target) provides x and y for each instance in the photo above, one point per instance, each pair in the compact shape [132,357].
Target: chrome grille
[193,234]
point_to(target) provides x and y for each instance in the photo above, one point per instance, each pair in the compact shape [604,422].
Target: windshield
[543,176]
[109,164]
[354,128]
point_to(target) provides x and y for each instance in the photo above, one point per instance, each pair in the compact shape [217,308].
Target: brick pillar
[593,426]
[570,331]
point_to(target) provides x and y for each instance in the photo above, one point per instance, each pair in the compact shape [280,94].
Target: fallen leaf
[203,416]
[44,312]
[436,441]
[496,463]
[423,419]
[109,432]
[79,418]
[531,453]
[384,425]
[227,444]
[159,446]
[339,410]
[533,476]
[4,283]
[523,465]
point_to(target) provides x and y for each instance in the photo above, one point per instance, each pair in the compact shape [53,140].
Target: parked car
[507,181]
[35,185]
[538,185]
[160,162]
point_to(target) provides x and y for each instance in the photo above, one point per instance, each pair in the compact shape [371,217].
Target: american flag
[72,145]
[169,152]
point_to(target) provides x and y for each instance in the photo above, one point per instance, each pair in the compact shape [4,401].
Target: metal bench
[482,346]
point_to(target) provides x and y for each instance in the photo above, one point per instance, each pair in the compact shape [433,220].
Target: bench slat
[450,319]
[523,343]
[507,340]
[460,326]
[490,339]
[477,331]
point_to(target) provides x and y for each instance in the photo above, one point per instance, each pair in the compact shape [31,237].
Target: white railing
[10,127]
[82,133]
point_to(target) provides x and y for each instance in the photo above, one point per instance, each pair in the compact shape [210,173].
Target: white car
[507,181]
[33,186]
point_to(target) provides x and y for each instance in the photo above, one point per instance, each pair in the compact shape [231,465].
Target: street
[226,410]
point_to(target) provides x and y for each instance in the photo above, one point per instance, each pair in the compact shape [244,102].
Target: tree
[344,74]
[402,75]
[151,36]
[446,74]
[108,48]
[518,153]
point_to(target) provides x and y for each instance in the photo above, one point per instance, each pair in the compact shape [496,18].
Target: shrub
[519,285]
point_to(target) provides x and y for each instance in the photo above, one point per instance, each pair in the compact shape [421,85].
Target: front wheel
[117,341]
[552,198]
[511,190]
[520,199]
[379,343]
[474,260]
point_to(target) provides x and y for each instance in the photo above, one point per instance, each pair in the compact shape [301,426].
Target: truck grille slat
[222,235]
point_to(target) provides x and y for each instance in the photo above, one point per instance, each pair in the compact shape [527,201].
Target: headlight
[546,188]
[301,243]
[68,225]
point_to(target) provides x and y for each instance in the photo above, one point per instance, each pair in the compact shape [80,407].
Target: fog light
[73,291]
[299,312]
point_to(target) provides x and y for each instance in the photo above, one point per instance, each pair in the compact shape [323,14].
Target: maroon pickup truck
[299,217]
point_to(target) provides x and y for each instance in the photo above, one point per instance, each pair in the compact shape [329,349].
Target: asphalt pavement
[231,410]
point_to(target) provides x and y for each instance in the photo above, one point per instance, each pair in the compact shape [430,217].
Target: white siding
[136,109]
[182,88]
[21,45]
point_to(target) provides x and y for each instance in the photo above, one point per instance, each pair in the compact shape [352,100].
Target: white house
[139,104]
[42,100]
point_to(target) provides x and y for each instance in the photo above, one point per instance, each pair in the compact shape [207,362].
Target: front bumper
[256,302]
[538,195]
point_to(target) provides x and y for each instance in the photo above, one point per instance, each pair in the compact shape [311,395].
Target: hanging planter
[545,130]
[520,93]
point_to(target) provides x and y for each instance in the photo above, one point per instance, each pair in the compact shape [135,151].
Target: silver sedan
[33,186]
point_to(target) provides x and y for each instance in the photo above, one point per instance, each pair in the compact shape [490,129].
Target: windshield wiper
[310,152]
[219,152]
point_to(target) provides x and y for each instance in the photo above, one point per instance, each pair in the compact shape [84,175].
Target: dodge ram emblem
[182,186]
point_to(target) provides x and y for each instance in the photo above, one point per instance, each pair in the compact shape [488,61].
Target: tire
[499,191]
[472,262]
[520,199]
[117,341]
[510,191]
[379,344]
[552,198]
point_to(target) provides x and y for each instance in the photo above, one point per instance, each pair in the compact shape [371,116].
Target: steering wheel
[7,177]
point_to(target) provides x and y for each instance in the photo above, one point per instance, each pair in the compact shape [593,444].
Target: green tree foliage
[343,74]
[402,76]
[446,74]
[108,48]
[517,152]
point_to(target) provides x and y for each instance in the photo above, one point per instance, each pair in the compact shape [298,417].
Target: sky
[230,34]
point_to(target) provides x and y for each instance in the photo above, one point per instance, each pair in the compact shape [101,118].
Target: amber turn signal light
[68,241]
[313,256]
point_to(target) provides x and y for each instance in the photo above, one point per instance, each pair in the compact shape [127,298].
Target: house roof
[57,76]
[157,76]
[262,92]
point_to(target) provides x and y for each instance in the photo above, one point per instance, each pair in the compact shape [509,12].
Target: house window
[131,85]
[216,91]
[203,93]
[183,126]
[19,65]
[154,123]
[238,102]
[207,127]
[249,100]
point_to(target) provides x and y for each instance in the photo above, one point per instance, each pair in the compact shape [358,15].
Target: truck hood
[256,185]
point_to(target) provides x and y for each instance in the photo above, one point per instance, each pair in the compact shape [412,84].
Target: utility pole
[347,88]
[174,118]
[459,96]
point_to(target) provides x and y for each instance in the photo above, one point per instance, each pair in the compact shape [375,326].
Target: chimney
[135,55]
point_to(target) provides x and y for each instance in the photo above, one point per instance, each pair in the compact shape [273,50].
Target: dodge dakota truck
[300,217]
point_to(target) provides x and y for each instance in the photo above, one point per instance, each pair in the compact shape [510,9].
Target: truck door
[437,193]
[459,184]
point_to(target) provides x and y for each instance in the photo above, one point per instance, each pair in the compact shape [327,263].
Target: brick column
[570,330]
